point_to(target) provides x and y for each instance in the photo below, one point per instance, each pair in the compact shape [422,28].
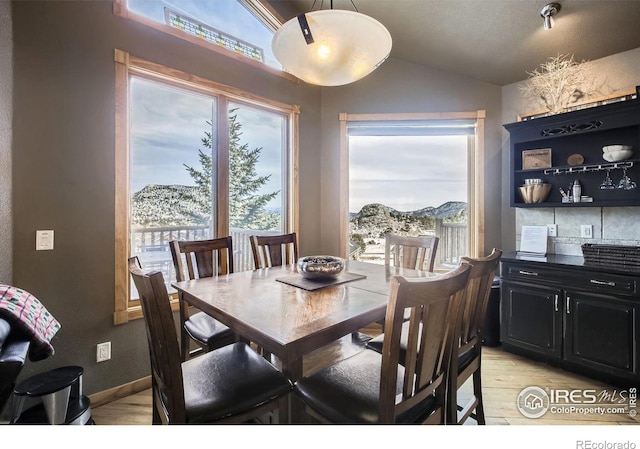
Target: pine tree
[246,206]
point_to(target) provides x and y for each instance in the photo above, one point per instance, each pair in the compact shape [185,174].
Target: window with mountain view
[411,177]
[200,164]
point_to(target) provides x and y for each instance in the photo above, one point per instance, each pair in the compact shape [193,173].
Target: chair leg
[477,391]
[184,344]
[451,409]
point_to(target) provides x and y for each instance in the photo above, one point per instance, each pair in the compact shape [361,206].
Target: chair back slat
[204,258]
[434,305]
[274,250]
[483,270]
[162,339]
[417,253]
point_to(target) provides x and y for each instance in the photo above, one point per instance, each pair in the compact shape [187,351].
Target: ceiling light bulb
[324,51]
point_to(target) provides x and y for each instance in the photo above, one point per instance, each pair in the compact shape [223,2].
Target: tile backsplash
[611,225]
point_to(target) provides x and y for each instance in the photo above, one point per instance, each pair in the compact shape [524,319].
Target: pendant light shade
[331,47]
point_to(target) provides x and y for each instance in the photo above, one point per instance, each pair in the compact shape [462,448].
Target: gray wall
[6,68]
[611,225]
[398,86]
[63,168]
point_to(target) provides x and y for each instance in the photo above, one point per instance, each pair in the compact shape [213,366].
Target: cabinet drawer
[610,283]
[580,279]
[531,273]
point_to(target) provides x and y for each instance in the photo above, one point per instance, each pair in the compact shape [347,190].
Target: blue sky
[407,172]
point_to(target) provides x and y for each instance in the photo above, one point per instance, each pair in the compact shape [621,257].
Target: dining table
[266,307]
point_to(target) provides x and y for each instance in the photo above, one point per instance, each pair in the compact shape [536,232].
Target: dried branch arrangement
[559,82]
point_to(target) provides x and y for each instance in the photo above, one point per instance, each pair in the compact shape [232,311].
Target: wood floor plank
[504,376]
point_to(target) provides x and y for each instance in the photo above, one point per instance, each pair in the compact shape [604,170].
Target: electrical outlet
[552,230]
[586,231]
[103,351]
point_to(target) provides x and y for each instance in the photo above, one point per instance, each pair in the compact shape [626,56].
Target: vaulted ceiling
[497,41]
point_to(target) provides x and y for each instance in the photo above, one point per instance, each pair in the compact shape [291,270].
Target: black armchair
[14,347]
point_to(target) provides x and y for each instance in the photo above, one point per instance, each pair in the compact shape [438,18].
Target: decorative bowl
[612,148]
[535,193]
[617,155]
[317,267]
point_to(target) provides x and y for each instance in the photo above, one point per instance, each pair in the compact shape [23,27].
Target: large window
[241,29]
[412,174]
[195,160]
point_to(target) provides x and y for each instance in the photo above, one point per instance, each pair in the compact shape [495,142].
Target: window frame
[475,170]
[260,8]
[127,65]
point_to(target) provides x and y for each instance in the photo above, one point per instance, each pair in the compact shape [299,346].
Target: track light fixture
[547,14]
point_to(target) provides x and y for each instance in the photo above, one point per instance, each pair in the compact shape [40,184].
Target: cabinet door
[532,319]
[600,333]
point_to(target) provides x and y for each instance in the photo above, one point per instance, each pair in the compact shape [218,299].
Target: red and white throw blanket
[20,308]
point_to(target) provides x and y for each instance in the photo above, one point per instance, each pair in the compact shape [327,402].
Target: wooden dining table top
[289,321]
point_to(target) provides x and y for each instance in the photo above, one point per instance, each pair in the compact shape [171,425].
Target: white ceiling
[497,41]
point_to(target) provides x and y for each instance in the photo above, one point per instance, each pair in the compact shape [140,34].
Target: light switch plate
[586,231]
[44,240]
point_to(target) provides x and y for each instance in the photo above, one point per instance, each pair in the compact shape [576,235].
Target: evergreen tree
[246,206]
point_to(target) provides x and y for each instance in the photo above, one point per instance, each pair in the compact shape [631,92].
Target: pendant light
[331,47]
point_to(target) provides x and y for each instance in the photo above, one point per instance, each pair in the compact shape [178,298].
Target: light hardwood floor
[504,376]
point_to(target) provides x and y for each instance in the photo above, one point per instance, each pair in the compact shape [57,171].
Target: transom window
[242,29]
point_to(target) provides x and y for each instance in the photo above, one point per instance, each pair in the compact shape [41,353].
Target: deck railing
[151,245]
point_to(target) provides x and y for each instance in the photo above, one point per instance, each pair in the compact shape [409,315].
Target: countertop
[561,260]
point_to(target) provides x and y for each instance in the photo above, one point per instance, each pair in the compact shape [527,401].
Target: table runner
[308,284]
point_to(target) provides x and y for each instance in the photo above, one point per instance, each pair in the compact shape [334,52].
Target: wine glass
[626,183]
[607,184]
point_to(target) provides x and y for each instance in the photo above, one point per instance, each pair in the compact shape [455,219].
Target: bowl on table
[320,267]
[615,153]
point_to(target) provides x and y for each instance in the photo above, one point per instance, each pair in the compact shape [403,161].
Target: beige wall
[6,78]
[615,225]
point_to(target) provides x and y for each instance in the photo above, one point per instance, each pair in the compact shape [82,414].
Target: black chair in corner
[231,384]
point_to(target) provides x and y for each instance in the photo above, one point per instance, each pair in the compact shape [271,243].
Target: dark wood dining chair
[372,387]
[467,354]
[227,385]
[203,258]
[274,250]
[417,253]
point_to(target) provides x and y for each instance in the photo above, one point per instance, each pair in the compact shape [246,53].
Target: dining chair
[417,253]
[274,250]
[203,258]
[372,387]
[467,353]
[230,384]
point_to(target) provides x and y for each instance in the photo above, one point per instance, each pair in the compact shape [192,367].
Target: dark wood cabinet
[566,313]
[532,319]
[583,132]
[600,332]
